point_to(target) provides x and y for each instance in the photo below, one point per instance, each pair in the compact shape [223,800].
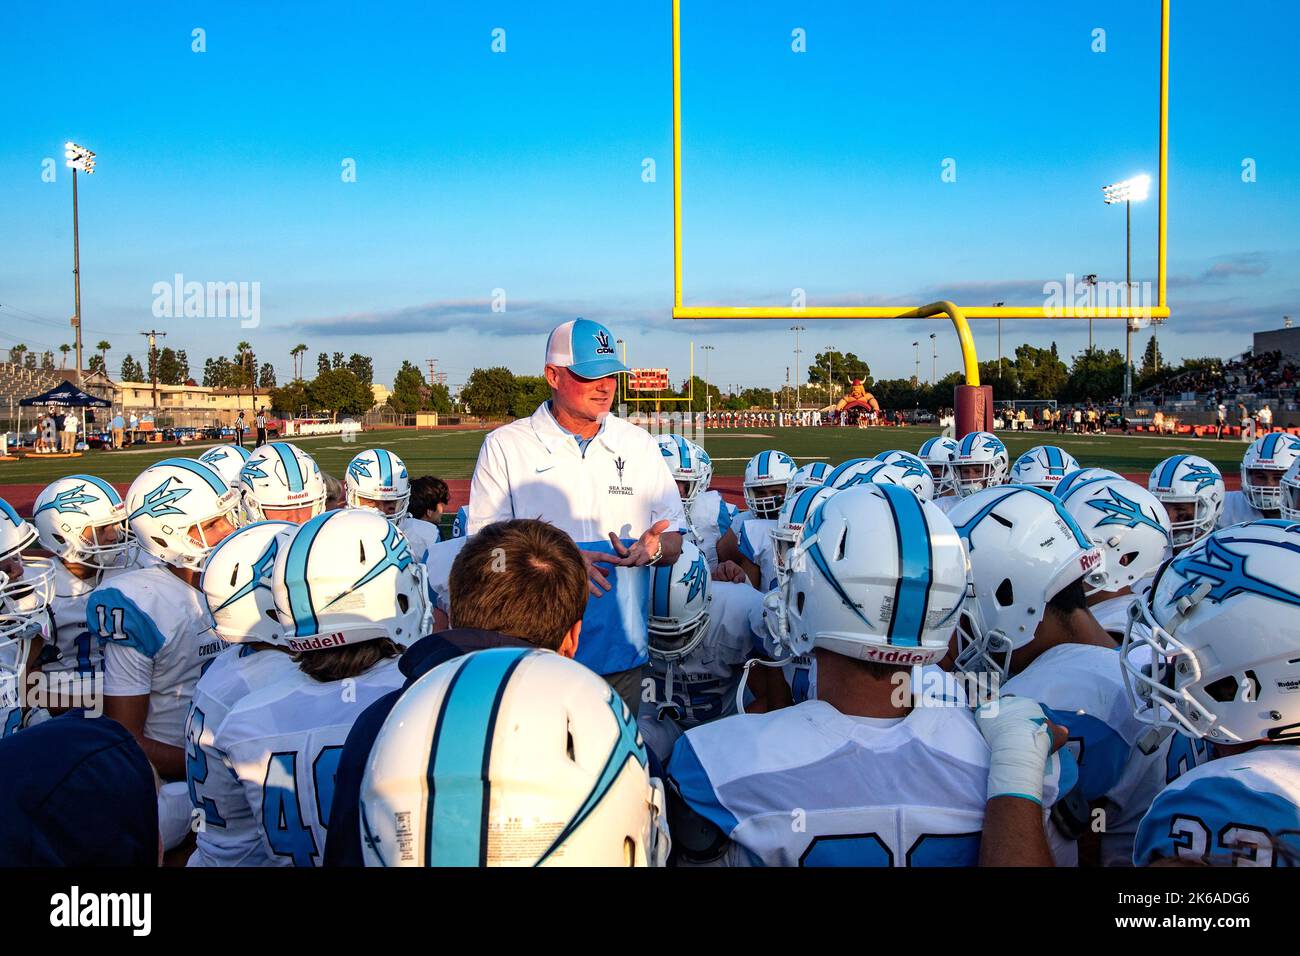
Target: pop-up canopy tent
[62,396]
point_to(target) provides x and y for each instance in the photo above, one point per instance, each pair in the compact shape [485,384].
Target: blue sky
[522,171]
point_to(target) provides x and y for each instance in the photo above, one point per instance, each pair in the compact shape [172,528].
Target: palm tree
[296,354]
[103,346]
[65,348]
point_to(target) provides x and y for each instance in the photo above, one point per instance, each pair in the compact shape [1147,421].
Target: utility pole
[796,329]
[934,359]
[152,335]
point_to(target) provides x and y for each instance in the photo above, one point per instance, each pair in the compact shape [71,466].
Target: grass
[451,454]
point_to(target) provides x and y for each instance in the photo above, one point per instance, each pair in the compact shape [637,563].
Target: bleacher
[18,382]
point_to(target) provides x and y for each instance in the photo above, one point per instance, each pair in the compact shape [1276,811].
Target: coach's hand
[597,579]
[643,550]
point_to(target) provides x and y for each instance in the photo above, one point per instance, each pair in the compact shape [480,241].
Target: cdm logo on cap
[585,348]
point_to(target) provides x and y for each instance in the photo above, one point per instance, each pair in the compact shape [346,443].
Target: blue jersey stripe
[460,758]
[199,468]
[295,574]
[290,462]
[915,567]
[1170,471]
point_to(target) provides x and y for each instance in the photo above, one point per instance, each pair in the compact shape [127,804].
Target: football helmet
[281,482]
[979,462]
[28,585]
[1043,466]
[1290,487]
[170,505]
[1024,549]
[868,471]
[1262,467]
[1128,524]
[680,598]
[689,463]
[81,519]
[877,574]
[916,474]
[1079,477]
[236,582]
[768,472]
[937,453]
[374,476]
[1212,650]
[348,576]
[794,515]
[16,534]
[811,475]
[511,757]
[18,628]
[460,523]
[1192,491]
[227,461]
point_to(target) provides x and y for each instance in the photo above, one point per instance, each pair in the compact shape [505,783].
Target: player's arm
[747,559]
[728,546]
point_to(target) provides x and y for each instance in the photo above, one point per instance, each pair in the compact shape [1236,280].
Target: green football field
[451,454]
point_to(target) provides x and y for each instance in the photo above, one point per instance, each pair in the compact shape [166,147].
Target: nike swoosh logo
[544,468]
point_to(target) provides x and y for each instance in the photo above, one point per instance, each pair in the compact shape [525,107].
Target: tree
[700,400]
[220,372]
[65,348]
[1040,372]
[1152,361]
[291,399]
[29,360]
[47,360]
[440,398]
[322,363]
[182,368]
[169,369]
[266,378]
[295,353]
[1095,376]
[336,361]
[340,392]
[530,392]
[131,370]
[489,392]
[408,395]
[838,367]
[97,364]
[16,353]
[362,367]
[103,346]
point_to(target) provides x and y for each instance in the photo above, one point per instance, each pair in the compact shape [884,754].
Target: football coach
[601,480]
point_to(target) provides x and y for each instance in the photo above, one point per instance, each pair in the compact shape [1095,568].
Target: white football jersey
[1121,762]
[438,563]
[708,519]
[1241,810]
[809,786]
[421,535]
[154,629]
[1112,614]
[756,545]
[283,742]
[79,649]
[229,834]
[1236,510]
[702,685]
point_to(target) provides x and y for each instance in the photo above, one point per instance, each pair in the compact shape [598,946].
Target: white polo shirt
[533,468]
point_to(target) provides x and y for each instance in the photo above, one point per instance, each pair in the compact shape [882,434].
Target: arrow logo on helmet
[1227,569]
[158,502]
[69,501]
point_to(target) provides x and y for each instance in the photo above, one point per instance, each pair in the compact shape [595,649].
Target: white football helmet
[227,461]
[236,582]
[28,585]
[1213,650]
[170,503]
[689,463]
[868,471]
[1043,466]
[768,472]
[81,519]
[18,628]
[1262,467]
[16,534]
[1024,549]
[916,473]
[377,475]
[1078,477]
[811,475]
[281,482]
[979,462]
[794,515]
[1290,487]
[937,453]
[680,598]
[877,574]
[511,757]
[1192,491]
[1128,524]
[348,576]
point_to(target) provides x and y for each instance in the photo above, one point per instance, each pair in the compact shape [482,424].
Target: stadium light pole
[78,158]
[998,305]
[916,374]
[830,374]
[1091,282]
[934,360]
[622,379]
[708,396]
[796,329]
[1128,192]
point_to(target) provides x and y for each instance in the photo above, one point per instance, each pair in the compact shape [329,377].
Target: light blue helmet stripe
[818,558]
[967,444]
[1268,449]
[683,452]
[460,755]
[799,514]
[109,491]
[663,579]
[290,462]
[915,567]
[8,510]
[1170,471]
[764,459]
[295,575]
[1055,461]
[199,468]
[385,467]
[842,468]
[819,470]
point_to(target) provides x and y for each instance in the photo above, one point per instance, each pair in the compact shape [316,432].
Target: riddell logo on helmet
[294,496]
[896,657]
[1089,561]
[316,643]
